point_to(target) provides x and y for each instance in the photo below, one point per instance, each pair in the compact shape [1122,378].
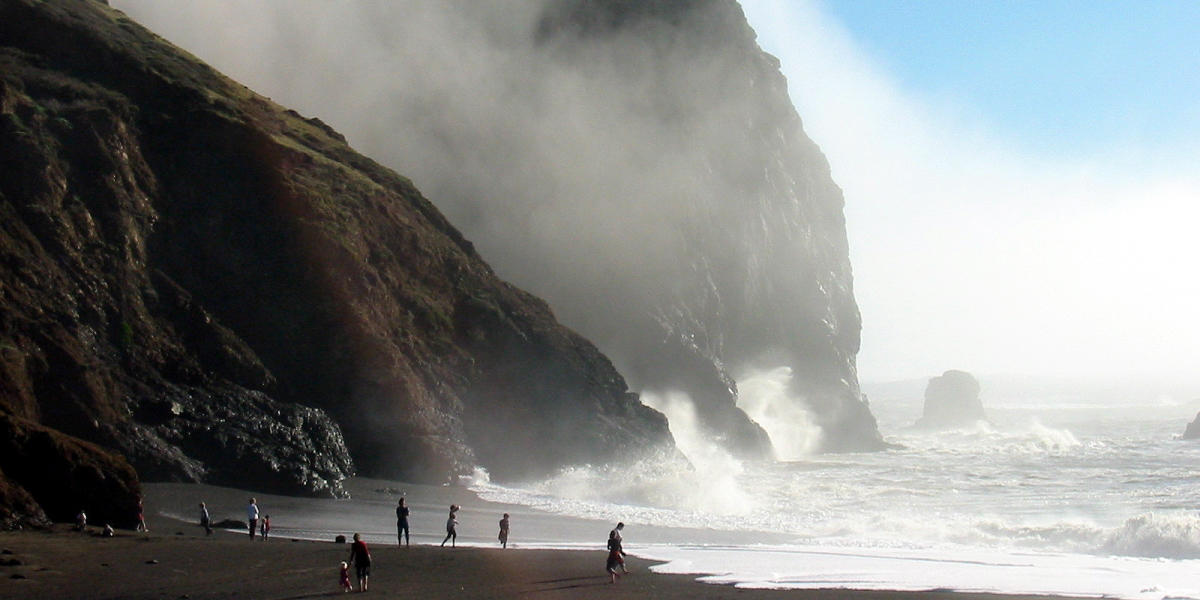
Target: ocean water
[1081,492]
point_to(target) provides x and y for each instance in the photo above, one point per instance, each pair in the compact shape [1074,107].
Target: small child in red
[345,577]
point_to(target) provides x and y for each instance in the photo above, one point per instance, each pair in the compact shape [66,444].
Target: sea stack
[1193,429]
[951,400]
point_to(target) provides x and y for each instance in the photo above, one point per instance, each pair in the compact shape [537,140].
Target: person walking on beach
[615,556]
[205,521]
[360,556]
[451,527]
[504,531]
[616,534]
[141,524]
[252,516]
[401,523]
[344,577]
[81,521]
[265,527]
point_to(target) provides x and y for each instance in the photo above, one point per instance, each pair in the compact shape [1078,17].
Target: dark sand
[176,561]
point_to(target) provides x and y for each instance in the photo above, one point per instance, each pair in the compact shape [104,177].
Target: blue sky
[1058,76]
[1021,181]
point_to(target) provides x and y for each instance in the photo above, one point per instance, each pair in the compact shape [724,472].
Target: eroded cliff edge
[219,289]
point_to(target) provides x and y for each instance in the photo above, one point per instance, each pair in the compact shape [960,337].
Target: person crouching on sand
[344,578]
[361,557]
[451,527]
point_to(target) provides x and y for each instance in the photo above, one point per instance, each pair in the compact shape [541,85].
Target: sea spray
[715,471]
[763,396]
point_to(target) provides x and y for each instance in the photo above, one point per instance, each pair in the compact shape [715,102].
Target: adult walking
[360,557]
[402,523]
[503,537]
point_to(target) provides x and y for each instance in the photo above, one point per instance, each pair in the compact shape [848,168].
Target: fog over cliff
[638,165]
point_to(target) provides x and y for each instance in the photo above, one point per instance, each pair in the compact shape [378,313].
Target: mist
[648,180]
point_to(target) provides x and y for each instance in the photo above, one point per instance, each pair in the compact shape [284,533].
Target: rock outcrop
[221,290]
[638,164]
[1193,429]
[952,400]
[45,473]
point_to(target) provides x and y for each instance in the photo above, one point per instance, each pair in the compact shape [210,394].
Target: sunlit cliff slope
[207,286]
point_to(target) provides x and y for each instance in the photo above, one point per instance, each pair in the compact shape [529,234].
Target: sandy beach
[175,560]
[179,563]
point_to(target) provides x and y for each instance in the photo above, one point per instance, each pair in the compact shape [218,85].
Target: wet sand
[176,563]
[175,560]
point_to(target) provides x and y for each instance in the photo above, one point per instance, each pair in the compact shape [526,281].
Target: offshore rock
[1193,429]
[952,400]
[221,290]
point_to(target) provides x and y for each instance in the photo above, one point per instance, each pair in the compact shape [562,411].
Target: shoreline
[172,562]
[176,560]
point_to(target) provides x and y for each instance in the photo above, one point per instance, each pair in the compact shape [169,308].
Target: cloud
[973,249]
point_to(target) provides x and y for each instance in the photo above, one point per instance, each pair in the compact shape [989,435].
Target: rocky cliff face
[760,274]
[638,164]
[219,289]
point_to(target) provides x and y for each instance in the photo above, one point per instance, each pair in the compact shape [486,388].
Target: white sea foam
[1071,501]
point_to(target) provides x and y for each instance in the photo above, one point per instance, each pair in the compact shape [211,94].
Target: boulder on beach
[951,400]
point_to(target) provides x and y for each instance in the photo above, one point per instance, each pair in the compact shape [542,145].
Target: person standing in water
[402,523]
[504,531]
[451,527]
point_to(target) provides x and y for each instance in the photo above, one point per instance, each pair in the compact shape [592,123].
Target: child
[265,527]
[345,577]
[504,531]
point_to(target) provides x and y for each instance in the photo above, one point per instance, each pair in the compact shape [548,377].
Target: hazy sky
[1021,178]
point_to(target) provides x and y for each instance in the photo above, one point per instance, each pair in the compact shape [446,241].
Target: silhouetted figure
[616,556]
[402,523]
[264,528]
[141,524]
[205,521]
[451,527]
[504,531]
